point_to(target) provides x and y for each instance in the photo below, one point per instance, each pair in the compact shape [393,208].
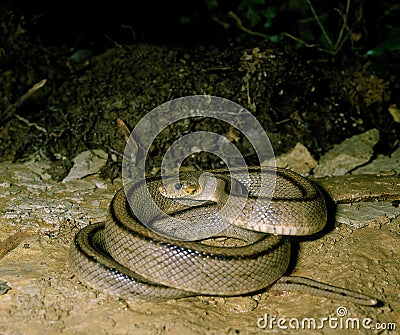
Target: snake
[170,256]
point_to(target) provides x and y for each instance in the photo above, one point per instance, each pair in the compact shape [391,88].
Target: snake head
[181,189]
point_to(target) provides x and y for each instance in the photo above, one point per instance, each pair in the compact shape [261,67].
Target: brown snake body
[125,258]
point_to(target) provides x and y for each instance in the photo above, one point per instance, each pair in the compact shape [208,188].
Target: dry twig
[11,109]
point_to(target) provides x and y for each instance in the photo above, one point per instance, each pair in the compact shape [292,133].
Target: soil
[296,95]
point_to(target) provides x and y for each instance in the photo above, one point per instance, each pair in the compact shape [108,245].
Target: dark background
[83,24]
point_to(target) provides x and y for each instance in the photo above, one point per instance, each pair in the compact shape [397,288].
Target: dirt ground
[40,217]
[56,104]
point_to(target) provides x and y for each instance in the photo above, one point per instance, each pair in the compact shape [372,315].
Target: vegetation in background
[338,28]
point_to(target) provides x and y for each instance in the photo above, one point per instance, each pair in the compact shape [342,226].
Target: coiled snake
[125,258]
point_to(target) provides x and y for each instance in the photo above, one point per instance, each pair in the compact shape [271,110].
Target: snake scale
[125,258]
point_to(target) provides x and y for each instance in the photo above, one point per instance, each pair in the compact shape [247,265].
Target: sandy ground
[39,218]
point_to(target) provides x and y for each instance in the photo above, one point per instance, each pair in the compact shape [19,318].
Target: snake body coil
[125,258]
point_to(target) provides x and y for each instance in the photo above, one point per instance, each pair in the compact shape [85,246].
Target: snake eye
[178,186]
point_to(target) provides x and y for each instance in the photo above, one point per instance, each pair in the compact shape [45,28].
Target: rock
[87,163]
[382,164]
[366,213]
[39,167]
[75,185]
[348,155]
[297,159]
[395,113]
[355,188]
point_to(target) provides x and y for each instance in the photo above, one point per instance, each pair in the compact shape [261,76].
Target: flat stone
[75,185]
[356,188]
[87,163]
[39,167]
[24,176]
[348,155]
[366,213]
[382,164]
